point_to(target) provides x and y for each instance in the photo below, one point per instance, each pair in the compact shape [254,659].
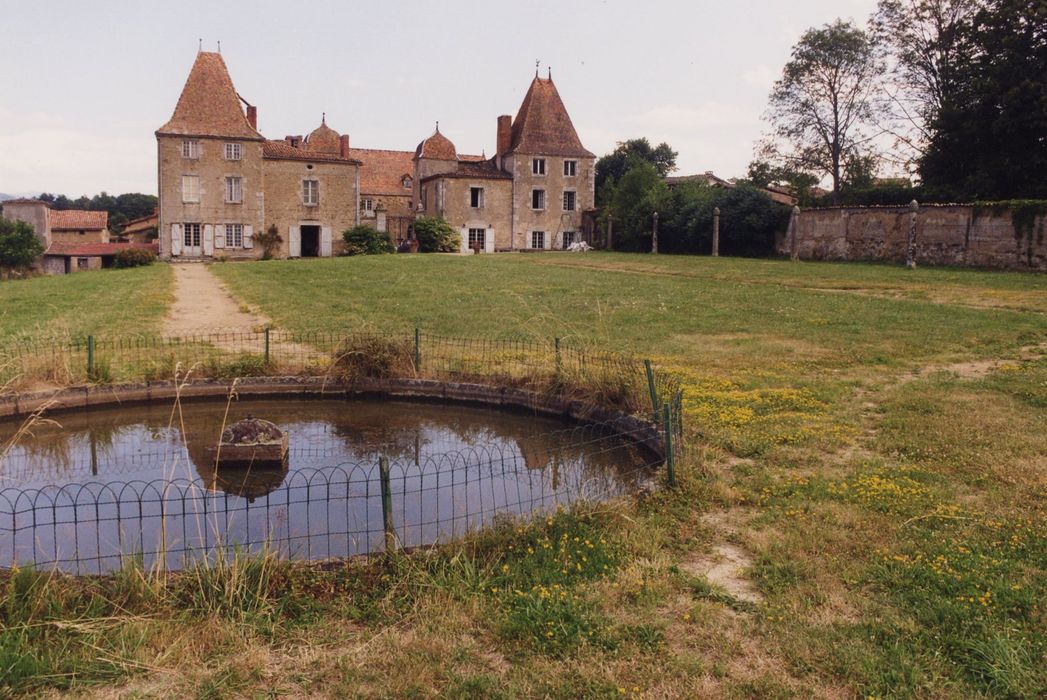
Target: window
[406,182]
[190,188]
[311,192]
[190,148]
[367,204]
[191,235]
[538,166]
[568,201]
[476,197]
[234,235]
[234,190]
[82,263]
[569,168]
[234,151]
[538,239]
[568,239]
[477,238]
[537,199]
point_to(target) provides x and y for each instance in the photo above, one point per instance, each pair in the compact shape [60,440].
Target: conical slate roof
[209,105]
[543,127]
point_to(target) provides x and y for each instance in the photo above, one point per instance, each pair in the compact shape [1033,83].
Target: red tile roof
[209,105]
[78,220]
[383,171]
[542,125]
[323,139]
[486,170]
[437,147]
[95,249]
[281,150]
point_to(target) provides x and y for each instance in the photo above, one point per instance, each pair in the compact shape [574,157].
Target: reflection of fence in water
[329,512]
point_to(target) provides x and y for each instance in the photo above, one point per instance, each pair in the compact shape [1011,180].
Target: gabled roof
[209,105]
[281,150]
[78,220]
[542,125]
[382,171]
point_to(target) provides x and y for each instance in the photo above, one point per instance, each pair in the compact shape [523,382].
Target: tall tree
[824,108]
[989,140]
[928,42]
[614,165]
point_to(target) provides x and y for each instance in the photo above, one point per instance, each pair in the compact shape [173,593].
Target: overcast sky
[87,83]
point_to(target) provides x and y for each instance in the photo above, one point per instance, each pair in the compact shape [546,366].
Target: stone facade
[558,224]
[959,235]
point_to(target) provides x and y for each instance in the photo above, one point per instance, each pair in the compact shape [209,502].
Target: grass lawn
[109,302]
[867,451]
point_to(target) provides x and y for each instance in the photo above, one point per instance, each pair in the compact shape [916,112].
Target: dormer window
[190,148]
[234,151]
[406,182]
[538,166]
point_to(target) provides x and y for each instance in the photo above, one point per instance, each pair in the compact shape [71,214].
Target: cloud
[761,76]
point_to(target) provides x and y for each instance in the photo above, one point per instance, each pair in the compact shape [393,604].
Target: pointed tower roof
[543,127]
[323,139]
[437,147]
[209,105]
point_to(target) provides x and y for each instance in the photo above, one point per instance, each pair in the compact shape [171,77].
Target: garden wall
[994,236]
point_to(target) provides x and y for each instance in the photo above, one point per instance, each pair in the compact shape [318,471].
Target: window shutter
[208,241]
[294,242]
[176,239]
[248,236]
[489,241]
[219,236]
[465,240]
[325,242]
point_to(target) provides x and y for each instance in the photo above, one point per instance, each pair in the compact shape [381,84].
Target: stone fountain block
[251,441]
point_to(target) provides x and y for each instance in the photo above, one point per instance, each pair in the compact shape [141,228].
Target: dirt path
[203,303]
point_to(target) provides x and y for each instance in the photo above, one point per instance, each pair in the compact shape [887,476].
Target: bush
[270,240]
[134,257]
[435,235]
[19,245]
[364,240]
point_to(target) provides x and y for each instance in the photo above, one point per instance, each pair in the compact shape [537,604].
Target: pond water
[90,488]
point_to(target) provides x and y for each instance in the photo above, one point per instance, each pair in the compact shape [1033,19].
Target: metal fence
[339,511]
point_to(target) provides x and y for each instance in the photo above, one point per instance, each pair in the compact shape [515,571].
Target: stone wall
[553,219]
[493,216]
[962,235]
[337,209]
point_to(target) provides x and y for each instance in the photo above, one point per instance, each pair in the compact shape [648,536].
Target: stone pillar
[794,221]
[716,232]
[610,231]
[910,243]
[654,235]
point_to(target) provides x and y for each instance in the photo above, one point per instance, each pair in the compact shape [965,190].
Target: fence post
[794,221]
[267,346]
[716,232]
[387,505]
[651,386]
[559,359]
[910,242]
[417,351]
[90,357]
[670,458]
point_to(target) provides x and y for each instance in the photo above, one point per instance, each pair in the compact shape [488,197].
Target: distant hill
[4,197]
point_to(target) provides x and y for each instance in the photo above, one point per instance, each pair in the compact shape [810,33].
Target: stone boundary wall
[641,431]
[960,235]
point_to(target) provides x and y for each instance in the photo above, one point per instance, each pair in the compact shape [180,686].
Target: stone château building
[222,184]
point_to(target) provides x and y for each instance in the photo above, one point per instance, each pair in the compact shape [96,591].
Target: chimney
[505,137]
[343,145]
[252,116]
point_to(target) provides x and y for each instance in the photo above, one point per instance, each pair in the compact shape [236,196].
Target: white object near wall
[176,239]
[208,240]
[219,236]
[294,242]
[489,240]
[325,242]
[248,236]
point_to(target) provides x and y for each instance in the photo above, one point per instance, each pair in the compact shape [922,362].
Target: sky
[86,84]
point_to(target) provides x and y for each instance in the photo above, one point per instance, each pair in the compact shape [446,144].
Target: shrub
[365,240]
[435,235]
[374,356]
[134,257]
[19,245]
[270,240]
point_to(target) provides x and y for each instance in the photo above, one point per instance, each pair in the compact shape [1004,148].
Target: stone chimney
[505,137]
[343,145]
[252,116]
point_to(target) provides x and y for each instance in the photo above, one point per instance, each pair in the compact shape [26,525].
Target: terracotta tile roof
[542,125]
[382,171]
[469,158]
[281,150]
[78,220]
[323,139]
[437,147]
[96,249]
[486,170]
[209,105]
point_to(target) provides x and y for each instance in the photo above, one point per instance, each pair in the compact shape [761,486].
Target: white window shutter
[294,242]
[248,236]
[464,245]
[208,241]
[489,241]
[176,239]
[325,242]
[219,236]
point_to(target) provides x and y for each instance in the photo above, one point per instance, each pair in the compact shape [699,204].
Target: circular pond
[86,490]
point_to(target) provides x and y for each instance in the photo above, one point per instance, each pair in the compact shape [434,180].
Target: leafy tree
[764,174]
[19,245]
[641,192]
[435,235]
[613,166]
[823,109]
[749,221]
[989,139]
[366,240]
[134,257]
